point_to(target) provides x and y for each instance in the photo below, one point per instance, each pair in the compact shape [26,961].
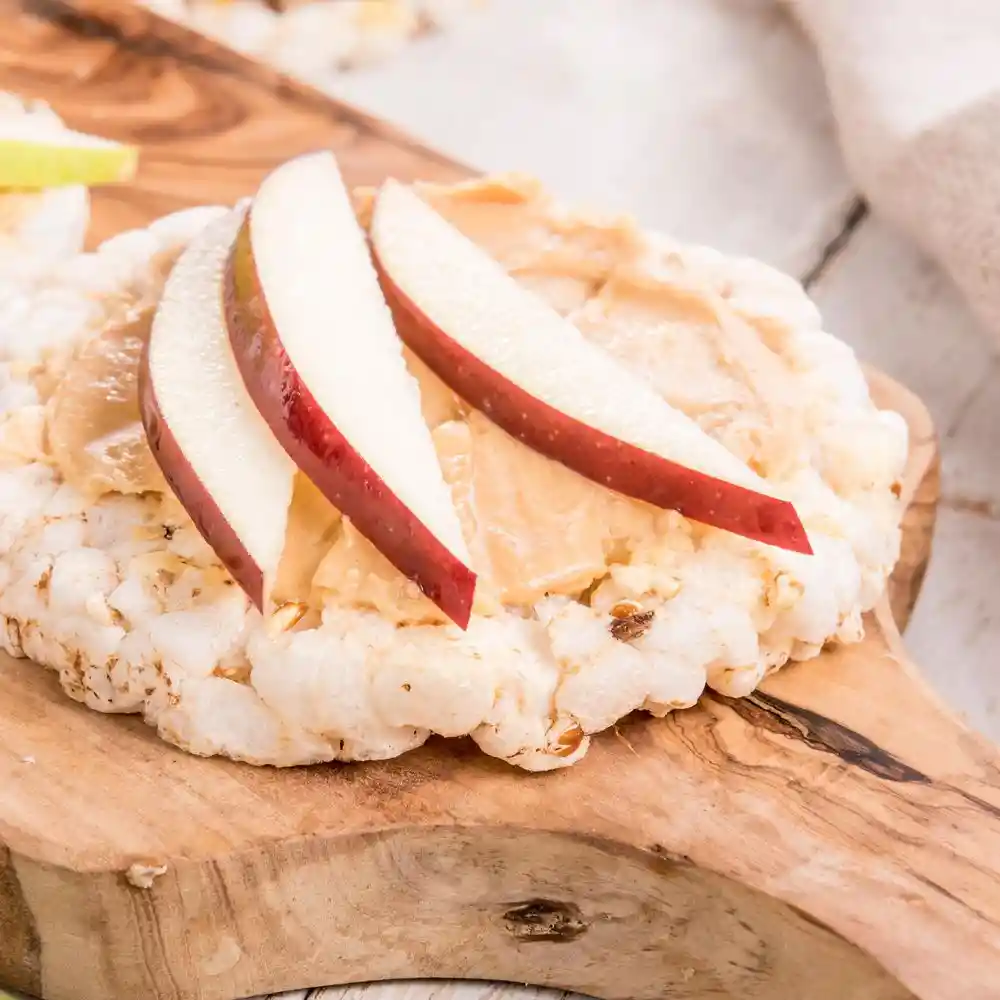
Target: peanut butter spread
[533,526]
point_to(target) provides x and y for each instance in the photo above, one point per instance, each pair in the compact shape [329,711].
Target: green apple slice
[34,158]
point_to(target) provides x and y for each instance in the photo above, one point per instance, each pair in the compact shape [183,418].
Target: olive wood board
[835,836]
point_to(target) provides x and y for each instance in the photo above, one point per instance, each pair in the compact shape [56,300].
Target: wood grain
[210,122]
[836,832]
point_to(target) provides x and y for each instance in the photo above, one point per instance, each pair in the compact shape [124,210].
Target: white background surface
[708,119]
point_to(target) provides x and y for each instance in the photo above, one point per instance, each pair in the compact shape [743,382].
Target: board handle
[849,792]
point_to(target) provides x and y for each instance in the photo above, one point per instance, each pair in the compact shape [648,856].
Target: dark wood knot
[545,920]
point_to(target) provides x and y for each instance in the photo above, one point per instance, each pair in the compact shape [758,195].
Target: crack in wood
[857,212]
[936,887]
[820,733]
[854,749]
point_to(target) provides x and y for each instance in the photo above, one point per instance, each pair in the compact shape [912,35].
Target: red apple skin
[184,481]
[615,464]
[320,450]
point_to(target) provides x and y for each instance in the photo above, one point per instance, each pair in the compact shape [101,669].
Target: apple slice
[509,354]
[314,340]
[34,155]
[216,452]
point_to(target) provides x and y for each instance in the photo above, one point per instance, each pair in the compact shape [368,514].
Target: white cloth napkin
[915,87]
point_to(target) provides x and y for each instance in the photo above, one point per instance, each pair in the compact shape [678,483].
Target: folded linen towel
[915,87]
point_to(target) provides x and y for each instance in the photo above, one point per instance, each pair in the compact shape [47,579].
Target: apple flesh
[34,156]
[217,454]
[512,356]
[315,343]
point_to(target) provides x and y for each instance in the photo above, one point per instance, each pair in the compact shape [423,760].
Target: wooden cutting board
[834,836]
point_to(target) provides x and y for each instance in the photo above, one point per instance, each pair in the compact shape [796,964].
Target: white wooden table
[708,119]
